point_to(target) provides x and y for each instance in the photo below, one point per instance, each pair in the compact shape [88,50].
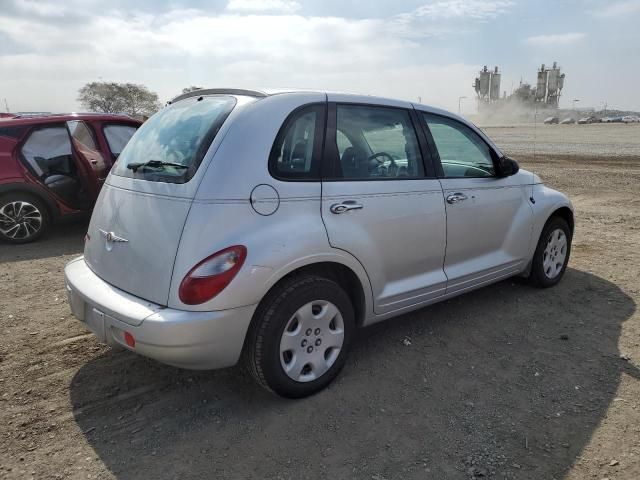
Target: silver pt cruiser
[272,225]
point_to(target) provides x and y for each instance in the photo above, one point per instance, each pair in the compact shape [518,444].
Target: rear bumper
[193,340]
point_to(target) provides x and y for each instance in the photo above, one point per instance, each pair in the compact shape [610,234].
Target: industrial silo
[541,84]
[494,90]
[485,82]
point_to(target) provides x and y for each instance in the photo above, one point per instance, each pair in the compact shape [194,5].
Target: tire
[23,217]
[552,253]
[302,313]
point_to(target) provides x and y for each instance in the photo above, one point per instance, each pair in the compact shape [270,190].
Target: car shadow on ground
[507,382]
[65,238]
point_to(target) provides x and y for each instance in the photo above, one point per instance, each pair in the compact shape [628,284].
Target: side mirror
[507,166]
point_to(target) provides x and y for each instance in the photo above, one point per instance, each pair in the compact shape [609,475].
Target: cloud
[457,9]
[555,39]
[618,9]
[179,48]
[279,6]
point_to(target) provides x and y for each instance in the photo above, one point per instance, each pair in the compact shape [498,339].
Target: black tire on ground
[35,207]
[539,276]
[262,349]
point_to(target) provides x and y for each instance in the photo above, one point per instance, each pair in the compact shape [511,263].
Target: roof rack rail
[50,114]
[219,91]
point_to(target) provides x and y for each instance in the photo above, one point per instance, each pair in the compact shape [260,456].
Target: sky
[407,49]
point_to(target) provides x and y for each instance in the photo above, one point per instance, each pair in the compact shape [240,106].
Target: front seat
[353,164]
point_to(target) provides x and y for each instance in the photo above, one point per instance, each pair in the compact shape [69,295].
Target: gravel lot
[507,382]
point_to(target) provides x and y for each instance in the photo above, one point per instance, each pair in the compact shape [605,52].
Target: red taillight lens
[209,277]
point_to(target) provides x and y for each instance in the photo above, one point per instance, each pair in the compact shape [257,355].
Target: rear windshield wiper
[155,164]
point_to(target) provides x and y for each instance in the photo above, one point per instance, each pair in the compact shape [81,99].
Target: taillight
[209,277]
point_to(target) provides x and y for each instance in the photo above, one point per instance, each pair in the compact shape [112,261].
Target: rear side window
[47,152]
[296,151]
[170,146]
[376,143]
[117,137]
[12,132]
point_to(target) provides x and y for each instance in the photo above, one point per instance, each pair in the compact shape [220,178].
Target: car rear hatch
[137,222]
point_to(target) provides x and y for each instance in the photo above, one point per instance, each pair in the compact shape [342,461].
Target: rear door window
[87,148]
[47,152]
[376,143]
[117,137]
[170,146]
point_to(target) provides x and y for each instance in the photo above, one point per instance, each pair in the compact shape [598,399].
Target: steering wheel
[381,161]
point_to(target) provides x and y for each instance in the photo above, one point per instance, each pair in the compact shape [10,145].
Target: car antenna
[535,128]
[535,138]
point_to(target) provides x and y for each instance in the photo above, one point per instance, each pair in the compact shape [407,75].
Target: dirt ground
[507,382]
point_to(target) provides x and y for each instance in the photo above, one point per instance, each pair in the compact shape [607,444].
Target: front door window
[462,152]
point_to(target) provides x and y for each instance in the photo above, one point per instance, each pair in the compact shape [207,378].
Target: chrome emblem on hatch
[110,238]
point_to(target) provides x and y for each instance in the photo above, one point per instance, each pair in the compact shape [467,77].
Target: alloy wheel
[20,220]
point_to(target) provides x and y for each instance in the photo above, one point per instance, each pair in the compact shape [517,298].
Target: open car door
[91,159]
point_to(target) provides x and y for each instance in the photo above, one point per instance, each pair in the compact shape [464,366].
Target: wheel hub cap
[555,253]
[311,341]
[20,220]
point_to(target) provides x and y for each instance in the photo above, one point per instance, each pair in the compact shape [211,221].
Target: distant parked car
[568,121]
[589,119]
[617,119]
[551,120]
[52,166]
[631,119]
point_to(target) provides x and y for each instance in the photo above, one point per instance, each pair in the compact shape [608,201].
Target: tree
[190,89]
[111,97]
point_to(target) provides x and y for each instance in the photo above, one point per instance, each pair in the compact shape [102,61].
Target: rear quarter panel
[9,170]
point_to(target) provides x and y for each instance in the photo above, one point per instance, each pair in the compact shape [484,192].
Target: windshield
[170,145]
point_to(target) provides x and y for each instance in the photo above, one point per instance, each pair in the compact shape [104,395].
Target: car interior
[48,155]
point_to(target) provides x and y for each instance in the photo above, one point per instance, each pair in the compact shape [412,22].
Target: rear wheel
[301,336]
[552,253]
[23,217]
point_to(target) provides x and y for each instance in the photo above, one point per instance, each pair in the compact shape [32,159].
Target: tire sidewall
[538,267]
[277,317]
[35,201]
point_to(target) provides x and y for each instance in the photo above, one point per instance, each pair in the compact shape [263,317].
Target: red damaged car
[52,166]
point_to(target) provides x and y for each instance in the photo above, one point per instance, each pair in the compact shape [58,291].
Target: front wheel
[552,253]
[301,336]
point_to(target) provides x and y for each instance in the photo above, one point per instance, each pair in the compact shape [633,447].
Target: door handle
[456,197]
[345,206]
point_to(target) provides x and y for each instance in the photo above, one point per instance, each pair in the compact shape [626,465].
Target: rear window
[169,147]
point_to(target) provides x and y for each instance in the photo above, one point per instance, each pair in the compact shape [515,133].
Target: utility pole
[460,104]
[6,105]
